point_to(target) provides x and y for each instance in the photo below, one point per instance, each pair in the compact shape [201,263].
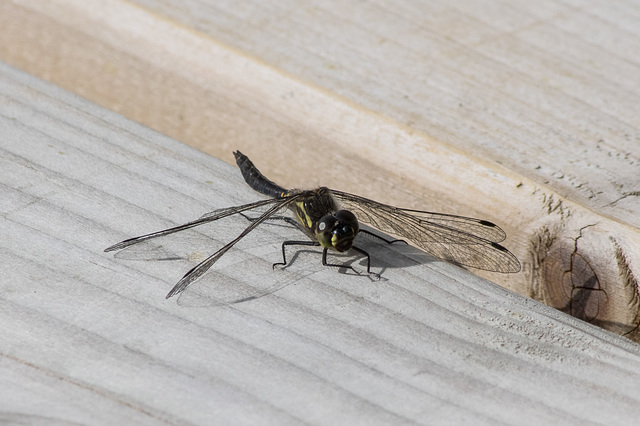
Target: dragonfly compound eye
[345,217]
[344,231]
[324,230]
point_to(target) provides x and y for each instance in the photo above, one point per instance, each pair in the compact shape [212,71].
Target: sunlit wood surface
[88,337]
[522,113]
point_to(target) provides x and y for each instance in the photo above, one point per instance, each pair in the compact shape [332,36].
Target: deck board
[523,114]
[89,338]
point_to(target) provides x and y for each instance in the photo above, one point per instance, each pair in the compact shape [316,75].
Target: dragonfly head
[337,230]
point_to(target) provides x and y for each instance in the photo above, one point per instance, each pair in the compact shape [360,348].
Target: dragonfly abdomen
[256,180]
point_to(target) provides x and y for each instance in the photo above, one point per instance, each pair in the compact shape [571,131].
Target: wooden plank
[523,114]
[89,338]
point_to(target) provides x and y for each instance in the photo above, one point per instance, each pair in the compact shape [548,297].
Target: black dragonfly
[331,219]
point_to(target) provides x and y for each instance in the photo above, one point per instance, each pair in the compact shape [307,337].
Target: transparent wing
[463,240]
[208,217]
[202,267]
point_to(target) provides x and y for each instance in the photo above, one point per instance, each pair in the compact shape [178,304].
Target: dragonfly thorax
[337,230]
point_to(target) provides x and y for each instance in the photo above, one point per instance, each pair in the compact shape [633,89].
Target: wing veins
[198,270]
[208,217]
[459,229]
[438,234]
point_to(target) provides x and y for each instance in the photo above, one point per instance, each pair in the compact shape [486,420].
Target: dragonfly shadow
[240,283]
[254,279]
[189,246]
[345,260]
[247,275]
[389,253]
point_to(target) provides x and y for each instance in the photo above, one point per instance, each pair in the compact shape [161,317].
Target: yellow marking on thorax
[303,217]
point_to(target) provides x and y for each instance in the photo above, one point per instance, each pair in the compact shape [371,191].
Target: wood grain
[523,114]
[88,338]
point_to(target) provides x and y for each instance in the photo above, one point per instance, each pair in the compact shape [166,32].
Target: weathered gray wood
[88,338]
[524,114]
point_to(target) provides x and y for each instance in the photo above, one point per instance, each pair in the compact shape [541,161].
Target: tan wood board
[88,338]
[523,114]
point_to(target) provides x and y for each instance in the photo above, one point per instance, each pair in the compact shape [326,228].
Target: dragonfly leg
[386,240]
[293,243]
[324,256]
[337,265]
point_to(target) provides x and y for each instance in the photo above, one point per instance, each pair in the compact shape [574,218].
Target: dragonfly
[331,219]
